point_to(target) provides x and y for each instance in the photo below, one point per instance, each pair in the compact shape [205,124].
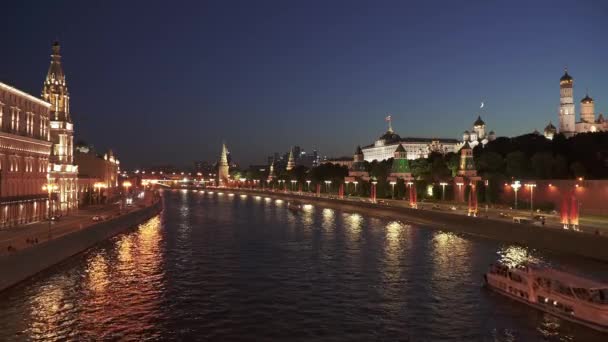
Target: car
[539,217]
[55,218]
[453,208]
[436,207]
[97,218]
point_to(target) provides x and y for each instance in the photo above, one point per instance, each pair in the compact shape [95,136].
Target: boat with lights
[295,207]
[559,293]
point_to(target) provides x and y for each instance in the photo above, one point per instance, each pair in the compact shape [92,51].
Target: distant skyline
[162,82]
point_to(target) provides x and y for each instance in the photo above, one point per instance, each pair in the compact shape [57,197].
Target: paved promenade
[25,236]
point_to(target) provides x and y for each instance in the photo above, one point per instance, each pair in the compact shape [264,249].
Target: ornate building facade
[384,147]
[97,174]
[477,135]
[568,125]
[62,171]
[24,156]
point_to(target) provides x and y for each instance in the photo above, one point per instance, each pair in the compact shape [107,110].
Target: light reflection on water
[225,268]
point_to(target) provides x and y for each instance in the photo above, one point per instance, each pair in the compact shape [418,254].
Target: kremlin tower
[222,168]
[567,115]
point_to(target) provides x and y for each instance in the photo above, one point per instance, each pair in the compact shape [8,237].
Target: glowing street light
[50,188]
[293,182]
[355,182]
[516,185]
[98,186]
[443,184]
[308,185]
[531,186]
[327,185]
[393,189]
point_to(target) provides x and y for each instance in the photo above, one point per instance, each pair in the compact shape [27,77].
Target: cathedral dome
[566,77]
[550,128]
[587,99]
[479,122]
[390,137]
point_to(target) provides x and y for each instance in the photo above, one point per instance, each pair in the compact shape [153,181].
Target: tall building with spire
[290,161]
[222,167]
[62,171]
[567,114]
[568,125]
[271,174]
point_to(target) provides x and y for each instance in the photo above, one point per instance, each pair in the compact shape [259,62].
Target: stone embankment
[553,239]
[26,263]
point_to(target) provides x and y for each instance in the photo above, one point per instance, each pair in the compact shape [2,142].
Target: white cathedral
[477,135]
[567,112]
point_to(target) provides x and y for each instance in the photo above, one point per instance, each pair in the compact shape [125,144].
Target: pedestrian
[542,221]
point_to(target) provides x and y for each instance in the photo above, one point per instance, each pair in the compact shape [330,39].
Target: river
[225,267]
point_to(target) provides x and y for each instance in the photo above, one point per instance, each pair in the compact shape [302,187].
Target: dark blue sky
[168,81]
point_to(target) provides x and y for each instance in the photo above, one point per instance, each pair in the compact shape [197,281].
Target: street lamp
[355,182]
[327,185]
[531,186]
[516,185]
[293,182]
[50,188]
[443,184]
[98,186]
[126,185]
[308,185]
[393,189]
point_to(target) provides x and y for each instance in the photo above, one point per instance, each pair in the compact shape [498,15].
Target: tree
[489,162]
[543,165]
[516,164]
[578,169]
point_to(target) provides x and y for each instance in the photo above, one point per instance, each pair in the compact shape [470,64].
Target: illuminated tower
[467,164]
[62,171]
[290,162]
[222,168]
[587,110]
[271,174]
[567,115]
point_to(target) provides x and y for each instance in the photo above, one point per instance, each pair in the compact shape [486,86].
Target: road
[592,225]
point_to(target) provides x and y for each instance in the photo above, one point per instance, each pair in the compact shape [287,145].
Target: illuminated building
[24,156]
[63,173]
[477,135]
[567,112]
[222,167]
[290,161]
[384,148]
[97,169]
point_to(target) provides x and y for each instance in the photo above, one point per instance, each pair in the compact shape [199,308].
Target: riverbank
[553,239]
[23,264]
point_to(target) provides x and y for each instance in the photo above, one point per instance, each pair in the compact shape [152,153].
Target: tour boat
[562,294]
[295,207]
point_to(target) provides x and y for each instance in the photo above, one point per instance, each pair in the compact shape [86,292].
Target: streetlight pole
[308,185]
[355,182]
[531,186]
[126,185]
[516,185]
[393,189]
[50,188]
[443,184]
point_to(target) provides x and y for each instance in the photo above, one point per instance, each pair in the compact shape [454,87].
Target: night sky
[168,81]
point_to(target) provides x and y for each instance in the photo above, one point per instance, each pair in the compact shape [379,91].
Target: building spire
[222,167]
[290,162]
[55,89]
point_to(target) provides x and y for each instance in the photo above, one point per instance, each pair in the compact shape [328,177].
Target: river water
[230,267]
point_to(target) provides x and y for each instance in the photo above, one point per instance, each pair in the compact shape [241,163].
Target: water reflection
[517,255]
[243,272]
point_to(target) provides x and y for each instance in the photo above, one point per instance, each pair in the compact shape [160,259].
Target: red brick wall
[592,194]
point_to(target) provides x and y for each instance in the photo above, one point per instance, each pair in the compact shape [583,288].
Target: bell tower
[567,114]
[62,171]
